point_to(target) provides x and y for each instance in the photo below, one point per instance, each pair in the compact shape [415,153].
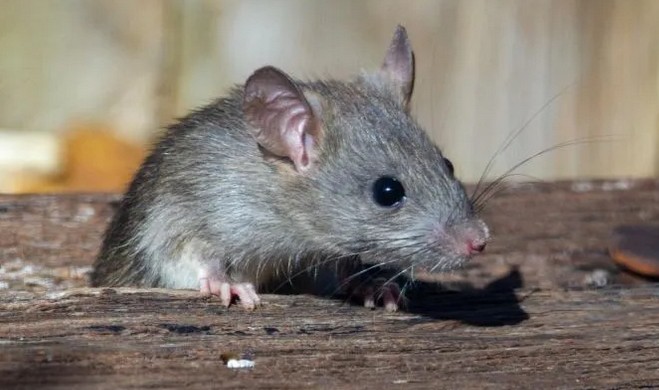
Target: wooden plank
[115,339]
[523,315]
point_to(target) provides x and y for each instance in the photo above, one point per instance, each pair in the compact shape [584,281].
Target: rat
[281,175]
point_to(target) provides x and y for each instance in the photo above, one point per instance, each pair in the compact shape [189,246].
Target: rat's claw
[391,296]
[245,292]
[204,287]
[368,295]
[388,293]
[247,295]
[224,292]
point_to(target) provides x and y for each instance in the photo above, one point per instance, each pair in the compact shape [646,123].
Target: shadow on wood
[495,305]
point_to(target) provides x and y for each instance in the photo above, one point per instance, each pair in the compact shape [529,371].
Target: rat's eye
[449,165]
[388,191]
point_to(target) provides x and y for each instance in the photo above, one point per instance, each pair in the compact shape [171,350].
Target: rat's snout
[466,238]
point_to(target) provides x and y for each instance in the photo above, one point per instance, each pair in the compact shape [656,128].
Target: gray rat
[281,175]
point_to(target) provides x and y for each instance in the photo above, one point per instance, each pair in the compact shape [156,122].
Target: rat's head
[363,176]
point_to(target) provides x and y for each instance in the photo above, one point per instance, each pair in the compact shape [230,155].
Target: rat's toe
[391,297]
[204,287]
[246,292]
[378,291]
[224,292]
[368,295]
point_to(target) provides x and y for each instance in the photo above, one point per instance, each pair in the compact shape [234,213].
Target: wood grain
[544,308]
[155,339]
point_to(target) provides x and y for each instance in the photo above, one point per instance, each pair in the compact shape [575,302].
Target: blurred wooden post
[484,68]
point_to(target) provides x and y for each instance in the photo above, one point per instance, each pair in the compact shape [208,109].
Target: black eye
[449,165]
[388,191]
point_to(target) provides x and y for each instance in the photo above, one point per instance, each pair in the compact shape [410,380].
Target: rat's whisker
[411,255]
[578,141]
[513,135]
[502,185]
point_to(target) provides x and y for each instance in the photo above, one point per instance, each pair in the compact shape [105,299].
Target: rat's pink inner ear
[398,66]
[281,119]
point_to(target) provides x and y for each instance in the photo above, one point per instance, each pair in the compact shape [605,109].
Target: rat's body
[282,174]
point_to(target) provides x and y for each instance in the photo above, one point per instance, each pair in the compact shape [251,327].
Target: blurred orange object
[94,159]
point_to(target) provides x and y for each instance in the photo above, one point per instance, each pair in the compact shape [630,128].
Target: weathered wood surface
[525,315]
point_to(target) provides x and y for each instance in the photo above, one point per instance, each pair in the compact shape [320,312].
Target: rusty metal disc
[636,248]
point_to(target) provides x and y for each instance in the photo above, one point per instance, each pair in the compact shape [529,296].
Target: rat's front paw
[245,292]
[379,290]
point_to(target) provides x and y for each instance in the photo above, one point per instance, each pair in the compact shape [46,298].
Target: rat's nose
[474,247]
[465,239]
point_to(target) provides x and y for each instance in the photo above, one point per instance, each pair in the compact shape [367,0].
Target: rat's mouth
[436,266]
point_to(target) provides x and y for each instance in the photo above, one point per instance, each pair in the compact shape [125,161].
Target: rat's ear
[281,118]
[398,66]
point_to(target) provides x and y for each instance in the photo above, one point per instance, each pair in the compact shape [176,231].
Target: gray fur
[208,196]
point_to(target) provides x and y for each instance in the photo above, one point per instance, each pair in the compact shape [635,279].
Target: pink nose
[475,247]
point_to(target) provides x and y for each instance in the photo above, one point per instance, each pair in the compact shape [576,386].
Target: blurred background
[87,86]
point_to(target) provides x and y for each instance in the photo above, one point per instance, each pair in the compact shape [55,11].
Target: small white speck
[85,212]
[598,278]
[56,295]
[242,363]
[4,285]
[79,272]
